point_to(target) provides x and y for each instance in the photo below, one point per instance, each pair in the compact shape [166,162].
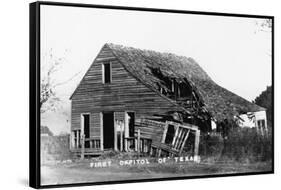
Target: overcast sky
[230,49]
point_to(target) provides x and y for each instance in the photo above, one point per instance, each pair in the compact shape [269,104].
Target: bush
[245,144]
[241,144]
[211,146]
[55,148]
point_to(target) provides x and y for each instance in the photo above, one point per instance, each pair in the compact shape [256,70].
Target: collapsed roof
[218,101]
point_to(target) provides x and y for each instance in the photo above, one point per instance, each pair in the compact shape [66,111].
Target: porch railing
[77,141]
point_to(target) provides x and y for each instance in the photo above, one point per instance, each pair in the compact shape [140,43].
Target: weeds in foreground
[242,144]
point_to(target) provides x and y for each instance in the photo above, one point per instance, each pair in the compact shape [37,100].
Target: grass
[80,171]
[244,145]
[243,151]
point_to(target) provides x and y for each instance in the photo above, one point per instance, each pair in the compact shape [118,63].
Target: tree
[49,101]
[48,98]
[46,130]
[265,100]
[264,25]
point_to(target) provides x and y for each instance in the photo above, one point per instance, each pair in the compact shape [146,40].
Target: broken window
[170,134]
[106,72]
[180,90]
[174,88]
[261,124]
[184,90]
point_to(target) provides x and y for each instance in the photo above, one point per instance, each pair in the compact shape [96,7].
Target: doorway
[86,128]
[130,124]
[108,130]
[170,134]
[130,131]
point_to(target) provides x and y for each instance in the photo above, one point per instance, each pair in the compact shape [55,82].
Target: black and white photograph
[143,94]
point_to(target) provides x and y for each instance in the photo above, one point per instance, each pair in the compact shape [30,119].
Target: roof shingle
[219,102]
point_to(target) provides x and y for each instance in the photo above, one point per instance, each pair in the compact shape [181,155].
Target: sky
[232,50]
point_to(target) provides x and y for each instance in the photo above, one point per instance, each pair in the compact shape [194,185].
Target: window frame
[103,72]
[261,124]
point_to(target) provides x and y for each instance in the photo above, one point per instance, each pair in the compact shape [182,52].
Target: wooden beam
[77,138]
[159,152]
[126,144]
[181,136]
[178,137]
[184,140]
[125,123]
[101,131]
[136,144]
[139,142]
[151,151]
[175,136]
[115,132]
[184,125]
[165,133]
[196,145]
[82,146]
[72,139]
[121,139]
[91,143]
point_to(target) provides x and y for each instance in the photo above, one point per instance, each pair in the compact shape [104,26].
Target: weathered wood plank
[184,141]
[122,94]
[196,145]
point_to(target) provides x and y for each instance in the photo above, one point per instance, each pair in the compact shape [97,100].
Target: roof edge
[147,85]
[70,98]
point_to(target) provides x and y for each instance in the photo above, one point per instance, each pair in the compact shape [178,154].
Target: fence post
[138,142]
[70,138]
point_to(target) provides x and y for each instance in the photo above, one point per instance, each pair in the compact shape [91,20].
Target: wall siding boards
[119,116]
[124,93]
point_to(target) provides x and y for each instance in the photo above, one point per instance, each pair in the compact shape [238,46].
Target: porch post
[139,148]
[72,143]
[115,133]
[82,146]
[196,146]
[101,131]
[121,138]
[125,137]
[77,136]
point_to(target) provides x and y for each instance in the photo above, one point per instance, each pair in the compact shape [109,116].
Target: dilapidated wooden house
[132,99]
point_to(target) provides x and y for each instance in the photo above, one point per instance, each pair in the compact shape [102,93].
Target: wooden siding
[150,129]
[124,93]
[119,116]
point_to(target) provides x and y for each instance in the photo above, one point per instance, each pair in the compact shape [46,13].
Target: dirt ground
[81,172]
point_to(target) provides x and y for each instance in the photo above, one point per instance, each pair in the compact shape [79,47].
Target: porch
[150,137]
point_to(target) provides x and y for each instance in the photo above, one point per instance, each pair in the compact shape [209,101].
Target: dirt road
[83,172]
